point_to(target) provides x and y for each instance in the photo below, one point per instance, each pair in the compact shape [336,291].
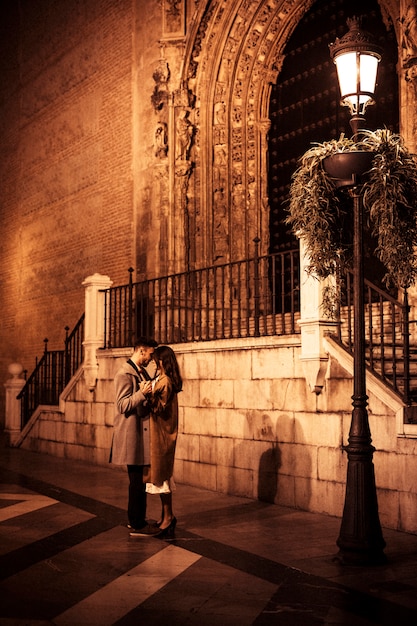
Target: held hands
[146,387]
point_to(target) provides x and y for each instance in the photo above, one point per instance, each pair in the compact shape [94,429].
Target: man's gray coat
[130,445]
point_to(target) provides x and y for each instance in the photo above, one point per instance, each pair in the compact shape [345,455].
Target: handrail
[52,373]
[387,334]
[248,298]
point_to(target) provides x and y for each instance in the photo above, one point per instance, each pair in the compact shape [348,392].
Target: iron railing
[250,298]
[52,373]
[387,336]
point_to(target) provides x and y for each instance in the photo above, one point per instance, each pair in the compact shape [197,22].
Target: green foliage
[321,213]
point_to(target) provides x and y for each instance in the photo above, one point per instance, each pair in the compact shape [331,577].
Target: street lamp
[360,540]
[356,56]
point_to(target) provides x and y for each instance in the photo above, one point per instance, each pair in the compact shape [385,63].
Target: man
[130,445]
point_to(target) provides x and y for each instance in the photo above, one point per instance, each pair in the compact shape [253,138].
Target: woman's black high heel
[169,531]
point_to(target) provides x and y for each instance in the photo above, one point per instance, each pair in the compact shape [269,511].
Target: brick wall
[65,164]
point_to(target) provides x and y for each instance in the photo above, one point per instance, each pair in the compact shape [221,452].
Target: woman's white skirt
[168,486]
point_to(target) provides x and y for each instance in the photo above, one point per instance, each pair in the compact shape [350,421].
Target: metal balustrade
[52,373]
[387,337]
[249,298]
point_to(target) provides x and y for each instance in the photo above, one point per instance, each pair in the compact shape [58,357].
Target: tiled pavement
[66,558]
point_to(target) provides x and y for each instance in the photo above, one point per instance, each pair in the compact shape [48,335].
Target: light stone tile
[179,471]
[285,490]
[190,395]
[199,475]
[56,449]
[103,437]
[284,426]
[216,393]
[71,412]
[87,412]
[326,497]
[103,393]
[346,422]
[377,408]
[263,425]
[233,362]
[337,396]
[302,492]
[266,485]
[225,446]
[109,414]
[383,432]
[200,421]
[249,454]
[331,464]
[273,363]
[252,395]
[102,456]
[318,428]
[386,475]
[407,509]
[290,395]
[391,504]
[396,472]
[199,365]
[188,447]
[232,423]
[47,430]
[70,433]
[236,481]
[298,459]
[246,436]
[305,457]
[60,431]
[209,450]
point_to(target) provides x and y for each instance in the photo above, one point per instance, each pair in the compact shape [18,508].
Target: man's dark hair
[145,342]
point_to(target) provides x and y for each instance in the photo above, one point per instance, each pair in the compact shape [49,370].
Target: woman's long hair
[166,356]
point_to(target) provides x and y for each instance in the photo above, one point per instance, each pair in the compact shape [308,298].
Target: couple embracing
[145,432]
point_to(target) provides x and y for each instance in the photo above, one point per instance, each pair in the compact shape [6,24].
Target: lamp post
[360,540]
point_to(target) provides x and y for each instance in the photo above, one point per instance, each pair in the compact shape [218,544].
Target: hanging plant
[390,196]
[320,211]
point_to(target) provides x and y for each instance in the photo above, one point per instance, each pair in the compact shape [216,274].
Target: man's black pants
[136,510]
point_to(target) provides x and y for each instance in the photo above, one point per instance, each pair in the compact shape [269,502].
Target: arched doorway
[304,104]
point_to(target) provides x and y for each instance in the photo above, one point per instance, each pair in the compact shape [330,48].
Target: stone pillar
[93,325]
[13,421]
[407,71]
[314,325]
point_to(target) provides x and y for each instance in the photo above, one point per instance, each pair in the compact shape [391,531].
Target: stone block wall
[249,426]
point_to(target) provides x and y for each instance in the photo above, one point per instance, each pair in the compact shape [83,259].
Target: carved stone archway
[234,56]
[234,53]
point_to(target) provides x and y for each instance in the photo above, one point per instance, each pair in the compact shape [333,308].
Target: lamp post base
[360,540]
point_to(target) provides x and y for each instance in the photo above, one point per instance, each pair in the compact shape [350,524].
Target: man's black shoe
[145,531]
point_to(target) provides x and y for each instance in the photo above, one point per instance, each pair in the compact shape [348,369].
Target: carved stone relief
[184,134]
[409,33]
[408,60]
[161,75]
[173,18]
[236,55]
[161,139]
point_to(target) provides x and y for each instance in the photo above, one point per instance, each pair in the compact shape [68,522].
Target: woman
[163,435]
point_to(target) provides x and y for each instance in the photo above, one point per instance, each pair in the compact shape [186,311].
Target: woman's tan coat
[164,430]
